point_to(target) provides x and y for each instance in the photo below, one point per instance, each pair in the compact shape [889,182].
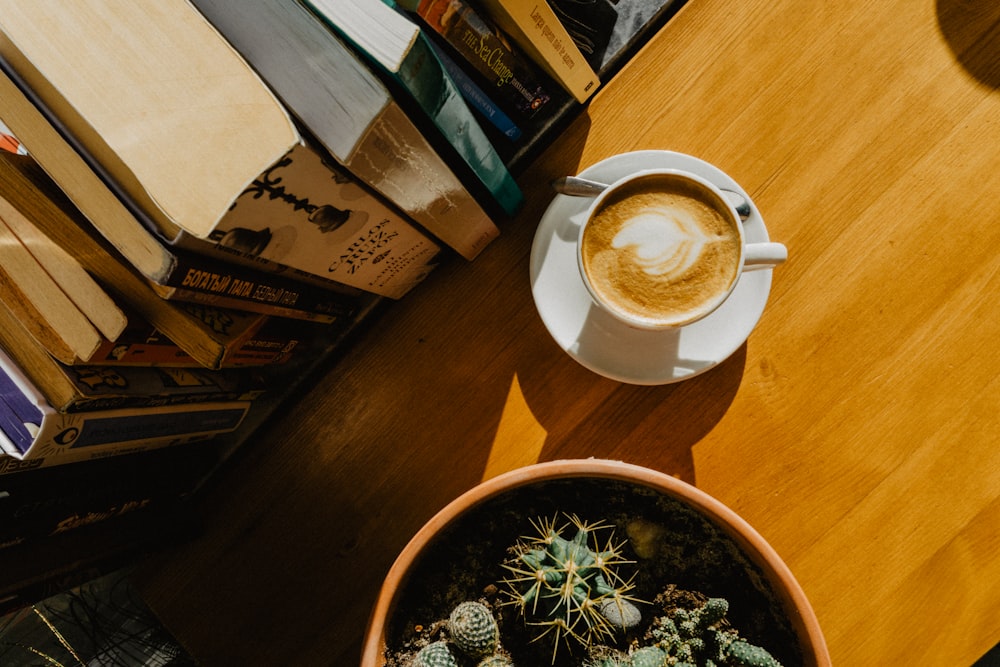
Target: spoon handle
[575,186]
[578,187]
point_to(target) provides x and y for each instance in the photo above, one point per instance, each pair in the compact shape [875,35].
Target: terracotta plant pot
[753,573]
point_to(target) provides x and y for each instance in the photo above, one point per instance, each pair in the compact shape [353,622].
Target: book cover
[250,340]
[513,79]
[402,53]
[348,110]
[199,166]
[30,427]
[536,29]
[103,387]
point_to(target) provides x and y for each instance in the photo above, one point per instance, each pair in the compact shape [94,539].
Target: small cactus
[562,585]
[435,655]
[749,655]
[693,637]
[473,629]
[649,656]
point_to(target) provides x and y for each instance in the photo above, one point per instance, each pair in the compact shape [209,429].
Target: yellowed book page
[156,95]
[40,304]
[80,184]
[79,286]
[34,360]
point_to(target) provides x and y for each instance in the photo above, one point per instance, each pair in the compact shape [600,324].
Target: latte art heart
[664,241]
[661,250]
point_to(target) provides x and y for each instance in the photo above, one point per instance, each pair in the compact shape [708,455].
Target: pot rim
[796,604]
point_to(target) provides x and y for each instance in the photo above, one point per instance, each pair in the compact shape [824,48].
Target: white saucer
[606,346]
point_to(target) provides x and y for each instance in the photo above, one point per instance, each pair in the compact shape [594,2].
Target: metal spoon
[582,187]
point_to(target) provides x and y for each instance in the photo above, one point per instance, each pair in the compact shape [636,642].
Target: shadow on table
[629,424]
[972,31]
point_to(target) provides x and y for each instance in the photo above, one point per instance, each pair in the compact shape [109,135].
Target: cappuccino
[661,250]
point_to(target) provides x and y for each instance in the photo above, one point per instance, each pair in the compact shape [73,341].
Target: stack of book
[194,195]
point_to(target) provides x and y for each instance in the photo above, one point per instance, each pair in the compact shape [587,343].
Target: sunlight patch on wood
[519,439]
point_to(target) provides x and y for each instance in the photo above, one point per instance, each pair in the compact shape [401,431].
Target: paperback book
[31,428]
[347,108]
[238,181]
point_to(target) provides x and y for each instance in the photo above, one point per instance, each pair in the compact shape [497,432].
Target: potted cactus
[590,564]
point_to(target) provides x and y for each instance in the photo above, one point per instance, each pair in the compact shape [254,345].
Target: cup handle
[763,255]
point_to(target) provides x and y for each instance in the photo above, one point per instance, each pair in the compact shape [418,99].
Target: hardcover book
[347,108]
[402,53]
[154,107]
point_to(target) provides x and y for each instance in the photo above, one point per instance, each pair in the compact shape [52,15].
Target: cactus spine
[561,585]
[473,629]
[435,655]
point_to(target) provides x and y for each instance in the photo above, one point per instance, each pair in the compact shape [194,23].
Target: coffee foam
[661,250]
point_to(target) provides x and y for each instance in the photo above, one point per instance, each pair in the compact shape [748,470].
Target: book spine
[269,342]
[31,428]
[455,122]
[196,279]
[117,387]
[514,80]
[539,32]
[478,99]
[68,438]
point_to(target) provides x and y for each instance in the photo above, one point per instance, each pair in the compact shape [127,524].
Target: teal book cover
[403,53]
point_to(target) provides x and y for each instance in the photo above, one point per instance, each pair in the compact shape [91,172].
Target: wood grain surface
[857,429]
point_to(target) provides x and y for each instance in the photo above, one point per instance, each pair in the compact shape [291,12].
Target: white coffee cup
[662,248]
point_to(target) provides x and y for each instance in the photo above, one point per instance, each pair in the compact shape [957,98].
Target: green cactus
[649,656]
[561,586]
[694,637]
[437,654]
[473,629]
[749,655]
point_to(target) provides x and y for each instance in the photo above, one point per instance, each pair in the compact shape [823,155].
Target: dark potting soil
[691,554]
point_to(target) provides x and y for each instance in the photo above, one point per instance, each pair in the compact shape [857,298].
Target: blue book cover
[478,99]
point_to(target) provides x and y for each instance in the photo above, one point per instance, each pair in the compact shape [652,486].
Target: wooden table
[858,428]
